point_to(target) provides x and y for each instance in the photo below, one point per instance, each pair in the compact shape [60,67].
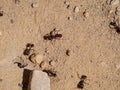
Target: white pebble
[67,3]
[76,9]
[70,18]
[86,14]
[36,58]
[52,63]
[39,81]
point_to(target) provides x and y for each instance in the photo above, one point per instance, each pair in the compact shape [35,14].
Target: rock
[67,2]
[1,13]
[35,5]
[76,9]
[36,58]
[112,2]
[68,52]
[117,12]
[39,58]
[39,81]
[52,63]
[85,14]
[20,85]
[69,18]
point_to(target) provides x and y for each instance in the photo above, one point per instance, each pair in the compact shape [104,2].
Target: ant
[115,26]
[52,35]
[28,49]
[81,82]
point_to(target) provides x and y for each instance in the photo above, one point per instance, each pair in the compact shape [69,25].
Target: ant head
[28,45]
[83,77]
[113,23]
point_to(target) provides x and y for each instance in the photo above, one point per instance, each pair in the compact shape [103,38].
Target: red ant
[52,35]
[82,81]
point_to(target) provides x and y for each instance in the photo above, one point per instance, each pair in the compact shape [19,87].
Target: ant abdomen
[115,26]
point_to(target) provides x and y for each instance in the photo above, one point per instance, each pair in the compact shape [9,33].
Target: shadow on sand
[26,79]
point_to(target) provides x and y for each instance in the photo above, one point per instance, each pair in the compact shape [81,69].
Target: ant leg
[112,25]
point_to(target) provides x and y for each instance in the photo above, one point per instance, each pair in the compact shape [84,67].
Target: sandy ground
[94,47]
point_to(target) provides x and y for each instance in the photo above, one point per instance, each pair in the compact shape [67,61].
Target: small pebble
[1,13]
[85,14]
[20,85]
[36,58]
[76,9]
[35,5]
[69,18]
[68,6]
[67,3]
[68,52]
[39,58]
[52,63]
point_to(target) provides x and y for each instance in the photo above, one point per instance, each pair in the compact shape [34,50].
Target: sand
[94,46]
